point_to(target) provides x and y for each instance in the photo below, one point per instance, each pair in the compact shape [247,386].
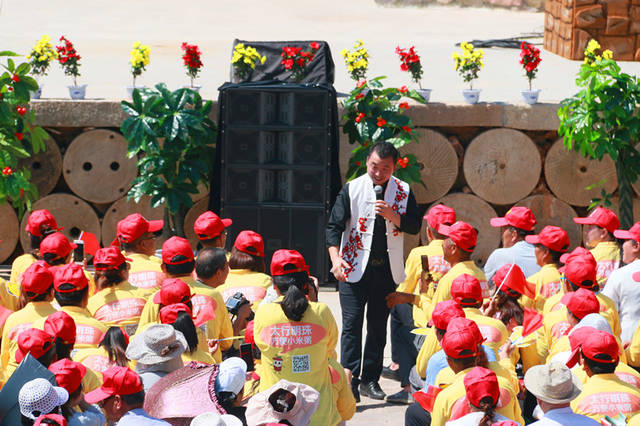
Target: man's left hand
[384,210]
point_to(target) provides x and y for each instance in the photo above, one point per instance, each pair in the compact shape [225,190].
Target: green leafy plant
[602,119]
[174,137]
[373,114]
[19,136]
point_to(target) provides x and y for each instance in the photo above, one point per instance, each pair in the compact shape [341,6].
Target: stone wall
[615,24]
[536,5]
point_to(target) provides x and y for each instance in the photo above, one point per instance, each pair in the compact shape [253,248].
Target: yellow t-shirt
[443,291]
[253,285]
[562,345]
[342,393]
[120,305]
[633,351]
[97,359]
[413,269]
[145,272]
[209,311]
[503,368]
[492,329]
[88,329]
[452,403]
[548,284]
[430,346]
[606,395]
[299,352]
[607,256]
[9,295]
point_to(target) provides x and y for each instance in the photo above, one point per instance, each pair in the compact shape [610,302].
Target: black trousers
[403,349]
[416,416]
[371,290]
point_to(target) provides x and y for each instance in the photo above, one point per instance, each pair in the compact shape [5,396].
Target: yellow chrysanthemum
[607,54]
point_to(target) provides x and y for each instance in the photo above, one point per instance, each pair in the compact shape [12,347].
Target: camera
[235,302]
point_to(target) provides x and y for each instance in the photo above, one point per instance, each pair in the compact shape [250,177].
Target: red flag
[532,321]
[91,244]
[428,398]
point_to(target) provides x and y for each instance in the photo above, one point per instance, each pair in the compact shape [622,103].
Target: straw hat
[157,343]
[294,402]
[553,383]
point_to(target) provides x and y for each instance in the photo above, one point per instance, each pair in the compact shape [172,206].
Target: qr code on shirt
[301,363]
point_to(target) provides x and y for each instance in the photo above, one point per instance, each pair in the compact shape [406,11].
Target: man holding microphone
[365,243]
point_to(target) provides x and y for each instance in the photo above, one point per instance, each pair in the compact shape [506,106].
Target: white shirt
[472,419]
[563,417]
[139,417]
[523,254]
[624,289]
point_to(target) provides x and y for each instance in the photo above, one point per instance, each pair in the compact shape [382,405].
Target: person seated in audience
[110,352]
[37,397]
[285,403]
[57,251]
[211,230]
[51,419]
[178,315]
[229,386]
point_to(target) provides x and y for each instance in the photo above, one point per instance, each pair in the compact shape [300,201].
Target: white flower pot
[130,90]
[471,96]
[425,93]
[77,92]
[38,93]
[195,88]
[531,96]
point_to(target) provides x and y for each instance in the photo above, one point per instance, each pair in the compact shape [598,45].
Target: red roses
[7,171]
[359,117]
[21,110]
[529,59]
[403,162]
[410,61]
[295,59]
[191,60]
[69,59]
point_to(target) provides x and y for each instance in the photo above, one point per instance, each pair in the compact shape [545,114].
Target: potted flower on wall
[244,61]
[295,59]
[468,65]
[357,62]
[410,61]
[530,59]
[139,59]
[40,59]
[192,62]
[70,62]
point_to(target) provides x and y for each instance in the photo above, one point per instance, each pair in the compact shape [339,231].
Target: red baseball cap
[440,215]
[466,290]
[38,219]
[173,290]
[285,262]
[250,242]
[209,225]
[461,339]
[108,258]
[480,383]
[38,278]
[135,226]
[68,374]
[632,234]
[115,381]
[33,341]
[594,344]
[604,218]
[578,252]
[583,302]
[444,312]
[57,244]
[60,325]
[461,233]
[518,217]
[176,246]
[169,314]
[552,237]
[581,270]
[57,418]
[72,274]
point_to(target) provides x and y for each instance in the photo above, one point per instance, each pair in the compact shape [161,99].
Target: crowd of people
[202,336]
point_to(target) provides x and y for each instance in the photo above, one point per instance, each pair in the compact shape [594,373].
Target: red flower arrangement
[191,60]
[410,61]
[7,171]
[69,59]
[296,60]
[403,162]
[529,59]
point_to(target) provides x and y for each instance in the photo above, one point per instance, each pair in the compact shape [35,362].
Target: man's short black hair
[210,260]
[70,298]
[180,268]
[134,398]
[600,367]
[385,150]
[521,232]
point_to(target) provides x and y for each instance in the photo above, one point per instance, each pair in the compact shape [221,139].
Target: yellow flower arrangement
[357,62]
[244,60]
[139,59]
[41,56]
[469,63]
[591,56]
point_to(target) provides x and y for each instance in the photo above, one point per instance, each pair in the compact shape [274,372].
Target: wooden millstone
[123,208]
[440,165]
[568,174]
[190,218]
[476,212]
[9,230]
[502,165]
[549,210]
[70,212]
[45,167]
[96,166]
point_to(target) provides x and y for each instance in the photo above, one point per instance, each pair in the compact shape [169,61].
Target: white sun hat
[38,396]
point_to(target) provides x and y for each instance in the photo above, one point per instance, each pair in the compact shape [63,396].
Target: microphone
[378,190]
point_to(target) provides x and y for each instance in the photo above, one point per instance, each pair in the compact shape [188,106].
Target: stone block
[555,9]
[591,17]
[635,2]
[566,48]
[567,3]
[457,115]
[554,44]
[548,22]
[634,18]
[566,14]
[546,41]
[617,25]
[534,117]
[617,7]
[580,3]
[623,48]
[636,57]
[565,31]
[580,40]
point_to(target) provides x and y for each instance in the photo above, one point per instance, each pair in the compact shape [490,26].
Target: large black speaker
[277,165]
